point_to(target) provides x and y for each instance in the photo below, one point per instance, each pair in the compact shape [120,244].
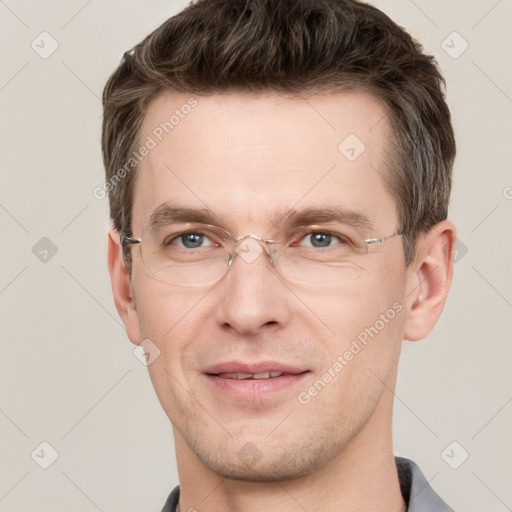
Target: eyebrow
[314,215]
[169,213]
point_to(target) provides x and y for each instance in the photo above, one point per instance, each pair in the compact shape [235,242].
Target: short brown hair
[292,47]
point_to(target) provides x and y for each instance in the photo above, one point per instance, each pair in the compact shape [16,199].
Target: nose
[253,296]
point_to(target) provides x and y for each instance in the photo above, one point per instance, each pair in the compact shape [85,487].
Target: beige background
[68,375]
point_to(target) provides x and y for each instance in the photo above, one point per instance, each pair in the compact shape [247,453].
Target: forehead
[246,156]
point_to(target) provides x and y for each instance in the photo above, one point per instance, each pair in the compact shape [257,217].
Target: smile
[242,376]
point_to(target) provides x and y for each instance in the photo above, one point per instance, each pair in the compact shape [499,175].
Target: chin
[265,461]
[270,471]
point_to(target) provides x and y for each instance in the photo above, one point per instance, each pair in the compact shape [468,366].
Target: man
[279,175]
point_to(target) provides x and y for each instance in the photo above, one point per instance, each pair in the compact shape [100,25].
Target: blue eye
[191,240]
[321,239]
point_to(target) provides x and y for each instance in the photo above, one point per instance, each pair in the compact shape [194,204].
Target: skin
[244,157]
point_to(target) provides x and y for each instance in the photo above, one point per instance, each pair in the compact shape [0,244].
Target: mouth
[254,381]
[253,376]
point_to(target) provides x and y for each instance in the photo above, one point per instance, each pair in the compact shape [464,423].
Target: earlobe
[122,288]
[429,280]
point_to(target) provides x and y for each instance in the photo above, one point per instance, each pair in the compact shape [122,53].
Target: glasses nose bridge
[237,242]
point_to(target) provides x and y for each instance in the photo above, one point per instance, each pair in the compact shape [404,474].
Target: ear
[122,288]
[429,280]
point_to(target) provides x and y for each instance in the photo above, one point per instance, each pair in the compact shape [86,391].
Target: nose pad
[249,249]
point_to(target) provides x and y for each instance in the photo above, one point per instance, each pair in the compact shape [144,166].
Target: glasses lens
[186,254]
[328,254]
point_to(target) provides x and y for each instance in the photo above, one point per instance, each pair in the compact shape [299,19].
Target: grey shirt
[417,493]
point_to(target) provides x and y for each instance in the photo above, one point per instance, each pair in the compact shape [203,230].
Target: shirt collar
[417,492]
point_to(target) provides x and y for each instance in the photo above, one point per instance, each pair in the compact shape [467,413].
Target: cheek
[171,319]
[362,353]
[366,324]
[349,311]
[162,308]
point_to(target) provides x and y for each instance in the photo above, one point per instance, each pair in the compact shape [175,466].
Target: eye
[190,240]
[322,239]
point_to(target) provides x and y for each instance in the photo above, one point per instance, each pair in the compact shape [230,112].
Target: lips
[254,381]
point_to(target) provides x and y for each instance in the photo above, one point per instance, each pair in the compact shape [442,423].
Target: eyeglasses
[190,254]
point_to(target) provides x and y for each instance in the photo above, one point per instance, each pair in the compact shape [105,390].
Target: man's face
[246,159]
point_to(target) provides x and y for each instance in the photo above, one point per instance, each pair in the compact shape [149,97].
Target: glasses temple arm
[383,239]
[126,240]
